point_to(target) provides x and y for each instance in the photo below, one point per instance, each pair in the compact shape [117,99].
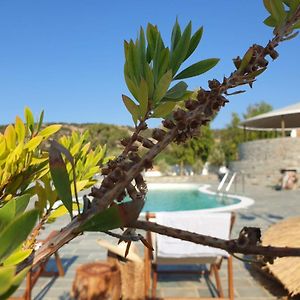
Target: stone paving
[270,207]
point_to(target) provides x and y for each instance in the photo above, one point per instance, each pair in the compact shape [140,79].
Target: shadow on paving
[183,273]
[51,266]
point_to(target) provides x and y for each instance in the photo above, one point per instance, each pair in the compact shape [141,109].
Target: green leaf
[60,177]
[158,52]
[16,281]
[17,257]
[277,10]
[59,212]
[151,34]
[176,35]
[246,60]
[20,129]
[198,68]
[131,86]
[142,51]
[12,237]
[49,130]
[132,108]
[267,5]
[179,53]
[149,79]
[6,278]
[270,21]
[33,143]
[195,40]
[21,203]
[29,119]
[177,90]
[162,86]
[163,110]
[164,62]
[114,217]
[255,73]
[297,25]
[7,213]
[10,136]
[39,125]
[143,97]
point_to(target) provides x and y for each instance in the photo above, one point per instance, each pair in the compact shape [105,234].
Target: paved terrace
[270,207]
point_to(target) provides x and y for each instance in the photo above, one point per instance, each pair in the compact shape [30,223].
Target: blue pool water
[177,199]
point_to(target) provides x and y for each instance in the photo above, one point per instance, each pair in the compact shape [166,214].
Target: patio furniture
[40,270]
[171,251]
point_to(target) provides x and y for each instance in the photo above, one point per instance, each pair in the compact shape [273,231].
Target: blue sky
[66,56]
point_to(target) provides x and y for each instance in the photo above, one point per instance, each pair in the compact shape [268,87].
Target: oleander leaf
[29,119]
[14,283]
[195,40]
[246,60]
[6,278]
[176,35]
[143,97]
[60,177]
[132,108]
[177,91]
[277,10]
[270,21]
[163,110]
[12,237]
[162,86]
[10,137]
[49,130]
[32,144]
[20,129]
[16,257]
[7,213]
[197,68]
[179,53]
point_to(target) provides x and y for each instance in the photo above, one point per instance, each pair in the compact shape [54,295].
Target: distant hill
[99,134]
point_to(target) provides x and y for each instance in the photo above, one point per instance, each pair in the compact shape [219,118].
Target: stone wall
[262,160]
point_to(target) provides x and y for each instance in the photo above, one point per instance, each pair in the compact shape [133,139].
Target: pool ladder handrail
[232,179]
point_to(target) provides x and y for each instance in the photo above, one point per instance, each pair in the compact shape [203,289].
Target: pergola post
[282,126]
[245,136]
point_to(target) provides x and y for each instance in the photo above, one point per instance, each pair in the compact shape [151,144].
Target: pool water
[177,199]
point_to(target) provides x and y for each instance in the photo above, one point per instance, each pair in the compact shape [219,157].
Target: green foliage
[87,164]
[217,155]
[21,158]
[150,67]
[281,12]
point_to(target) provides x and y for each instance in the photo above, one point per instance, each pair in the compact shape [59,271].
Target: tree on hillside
[257,109]
[233,134]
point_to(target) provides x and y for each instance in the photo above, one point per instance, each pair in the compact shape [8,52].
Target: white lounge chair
[171,251]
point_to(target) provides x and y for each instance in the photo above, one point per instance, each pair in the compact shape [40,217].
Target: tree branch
[231,246]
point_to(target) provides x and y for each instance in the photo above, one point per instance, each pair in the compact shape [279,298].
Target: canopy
[286,118]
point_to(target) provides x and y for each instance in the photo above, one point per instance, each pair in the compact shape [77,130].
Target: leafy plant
[150,67]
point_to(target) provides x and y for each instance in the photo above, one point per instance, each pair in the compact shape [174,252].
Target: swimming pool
[186,197]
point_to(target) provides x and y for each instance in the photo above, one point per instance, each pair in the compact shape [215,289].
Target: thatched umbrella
[285,269]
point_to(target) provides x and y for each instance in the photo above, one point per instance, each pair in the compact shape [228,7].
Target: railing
[232,176]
